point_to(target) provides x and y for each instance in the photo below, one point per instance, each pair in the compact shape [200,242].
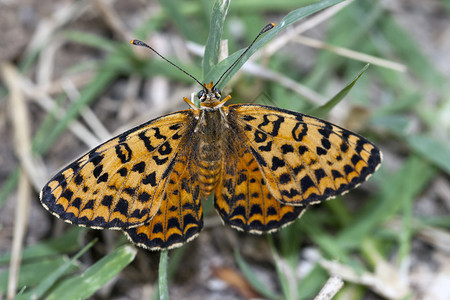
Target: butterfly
[265,166]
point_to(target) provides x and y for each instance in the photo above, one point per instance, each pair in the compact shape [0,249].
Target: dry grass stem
[280,41]
[21,129]
[45,66]
[288,273]
[438,238]
[87,114]
[112,19]
[47,27]
[46,102]
[350,53]
[331,287]
[126,110]
[262,72]
[223,50]
[386,281]
[442,188]
[79,80]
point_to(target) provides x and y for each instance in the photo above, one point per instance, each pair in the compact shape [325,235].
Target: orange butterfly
[265,165]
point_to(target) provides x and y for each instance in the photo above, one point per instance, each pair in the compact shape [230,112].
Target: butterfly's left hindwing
[120,183]
[303,159]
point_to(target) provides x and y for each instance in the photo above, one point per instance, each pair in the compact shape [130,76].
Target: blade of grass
[290,243]
[211,57]
[432,149]
[323,110]
[163,286]
[91,40]
[85,285]
[343,30]
[103,79]
[404,184]
[259,286]
[285,274]
[186,27]
[9,185]
[409,51]
[290,18]
[68,242]
[311,284]
[28,271]
[50,280]
[175,261]
[254,6]
[327,243]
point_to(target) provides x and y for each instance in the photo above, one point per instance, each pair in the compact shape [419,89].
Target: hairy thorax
[210,129]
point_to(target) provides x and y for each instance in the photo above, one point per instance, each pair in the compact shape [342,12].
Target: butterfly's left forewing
[303,160]
[119,183]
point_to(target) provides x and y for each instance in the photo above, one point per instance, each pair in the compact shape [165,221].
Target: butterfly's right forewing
[120,183]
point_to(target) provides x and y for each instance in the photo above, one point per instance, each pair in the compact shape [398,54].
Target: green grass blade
[8,185]
[48,281]
[259,286]
[327,244]
[290,18]
[163,285]
[70,241]
[211,57]
[176,260]
[28,271]
[432,149]
[323,110]
[311,284]
[91,40]
[258,6]
[396,189]
[174,10]
[86,284]
[285,274]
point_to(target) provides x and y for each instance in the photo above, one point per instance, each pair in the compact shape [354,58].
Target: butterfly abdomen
[210,151]
[209,173]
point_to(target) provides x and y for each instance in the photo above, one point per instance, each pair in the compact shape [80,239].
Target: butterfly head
[210,97]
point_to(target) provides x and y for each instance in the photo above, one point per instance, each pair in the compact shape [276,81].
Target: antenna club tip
[268,27]
[138,43]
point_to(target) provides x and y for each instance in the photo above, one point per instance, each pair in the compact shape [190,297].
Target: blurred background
[70,80]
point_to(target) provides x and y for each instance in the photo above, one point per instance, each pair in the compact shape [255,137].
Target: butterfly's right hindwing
[242,197]
[120,183]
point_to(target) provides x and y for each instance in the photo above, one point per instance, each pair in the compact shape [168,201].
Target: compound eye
[216,90]
[200,94]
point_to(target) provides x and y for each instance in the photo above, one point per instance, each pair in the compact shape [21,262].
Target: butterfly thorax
[210,130]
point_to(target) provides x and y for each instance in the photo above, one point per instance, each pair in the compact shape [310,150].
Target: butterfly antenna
[266,28]
[142,44]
